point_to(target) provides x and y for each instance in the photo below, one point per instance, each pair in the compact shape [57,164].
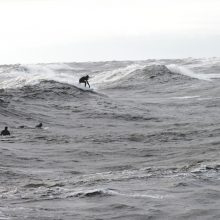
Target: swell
[138,77]
[47,89]
[85,186]
[102,75]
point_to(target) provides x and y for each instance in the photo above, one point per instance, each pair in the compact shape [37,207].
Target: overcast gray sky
[91,30]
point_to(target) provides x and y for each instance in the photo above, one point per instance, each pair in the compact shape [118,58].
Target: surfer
[84,79]
[39,125]
[5,132]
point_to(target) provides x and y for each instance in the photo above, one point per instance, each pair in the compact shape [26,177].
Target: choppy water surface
[144,144]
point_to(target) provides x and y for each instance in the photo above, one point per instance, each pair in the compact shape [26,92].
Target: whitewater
[143,144]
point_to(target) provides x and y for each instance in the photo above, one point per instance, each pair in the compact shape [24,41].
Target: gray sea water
[143,144]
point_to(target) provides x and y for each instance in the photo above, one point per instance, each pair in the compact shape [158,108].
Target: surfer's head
[87,76]
[6,128]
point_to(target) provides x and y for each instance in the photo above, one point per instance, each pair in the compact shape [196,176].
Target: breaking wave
[18,76]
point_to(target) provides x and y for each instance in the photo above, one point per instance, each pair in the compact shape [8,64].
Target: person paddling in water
[39,125]
[84,79]
[5,132]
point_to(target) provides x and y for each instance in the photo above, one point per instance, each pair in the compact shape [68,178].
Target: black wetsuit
[84,79]
[39,125]
[5,132]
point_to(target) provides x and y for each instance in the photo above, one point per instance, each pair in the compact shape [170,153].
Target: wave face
[142,143]
[106,74]
[102,73]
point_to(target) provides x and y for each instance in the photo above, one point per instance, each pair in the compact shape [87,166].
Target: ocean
[143,143]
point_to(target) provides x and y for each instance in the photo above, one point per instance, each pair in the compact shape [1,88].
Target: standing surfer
[84,79]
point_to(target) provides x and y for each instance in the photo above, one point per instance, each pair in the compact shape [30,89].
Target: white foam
[32,75]
[83,192]
[115,75]
[137,195]
[185,97]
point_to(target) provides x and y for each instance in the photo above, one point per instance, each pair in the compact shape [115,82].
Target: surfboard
[83,88]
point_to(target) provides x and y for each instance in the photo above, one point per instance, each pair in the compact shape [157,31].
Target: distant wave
[187,72]
[80,185]
[27,75]
[111,192]
[92,193]
[17,76]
